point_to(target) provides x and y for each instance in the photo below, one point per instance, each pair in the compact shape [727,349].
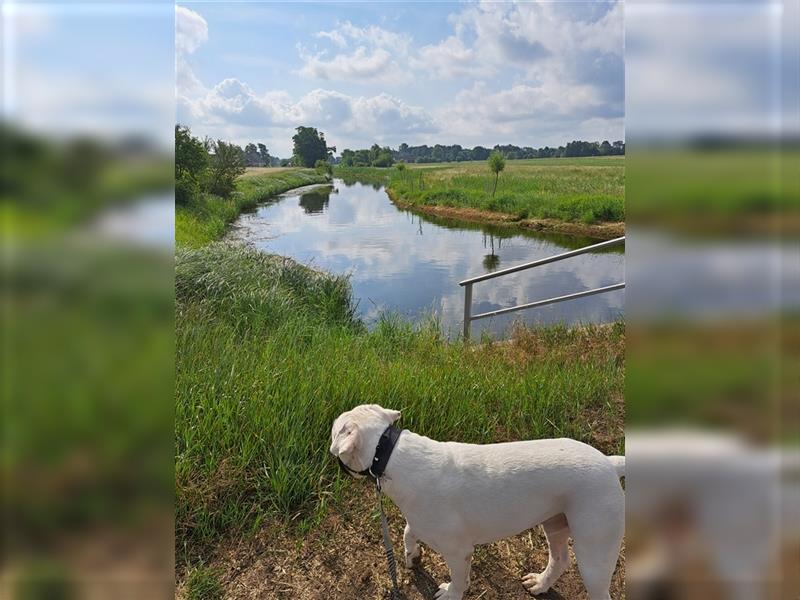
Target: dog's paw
[535,583]
[413,558]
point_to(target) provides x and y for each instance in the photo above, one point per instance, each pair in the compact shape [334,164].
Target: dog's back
[497,490]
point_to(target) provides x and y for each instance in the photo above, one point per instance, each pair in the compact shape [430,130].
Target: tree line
[212,166]
[378,156]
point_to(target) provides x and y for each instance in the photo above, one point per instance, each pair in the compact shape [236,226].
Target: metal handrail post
[467,310]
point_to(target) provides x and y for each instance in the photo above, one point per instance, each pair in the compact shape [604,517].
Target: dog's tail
[619,464]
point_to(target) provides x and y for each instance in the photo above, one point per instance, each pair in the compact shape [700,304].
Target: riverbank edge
[230,209]
[600,231]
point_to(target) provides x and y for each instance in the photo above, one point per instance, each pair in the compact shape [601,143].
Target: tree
[309,147]
[348,158]
[263,153]
[480,153]
[361,158]
[251,155]
[227,163]
[384,158]
[496,164]
[374,151]
[191,162]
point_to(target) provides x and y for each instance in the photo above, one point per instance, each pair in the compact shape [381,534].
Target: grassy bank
[585,191]
[269,352]
[206,217]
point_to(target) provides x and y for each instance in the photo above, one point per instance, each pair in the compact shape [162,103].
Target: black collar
[383,451]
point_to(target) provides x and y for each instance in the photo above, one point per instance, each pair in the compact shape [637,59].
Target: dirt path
[603,231]
[342,559]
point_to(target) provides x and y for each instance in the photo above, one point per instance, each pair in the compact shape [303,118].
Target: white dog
[455,496]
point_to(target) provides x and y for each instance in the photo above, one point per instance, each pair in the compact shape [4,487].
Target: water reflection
[314,201]
[403,263]
[491,261]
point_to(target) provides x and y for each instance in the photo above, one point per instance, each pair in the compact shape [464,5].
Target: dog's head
[355,434]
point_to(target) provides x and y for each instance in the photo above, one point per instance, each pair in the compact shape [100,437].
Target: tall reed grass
[269,352]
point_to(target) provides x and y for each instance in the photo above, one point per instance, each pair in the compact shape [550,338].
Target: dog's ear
[347,440]
[390,414]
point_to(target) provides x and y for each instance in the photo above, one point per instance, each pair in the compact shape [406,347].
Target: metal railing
[468,283]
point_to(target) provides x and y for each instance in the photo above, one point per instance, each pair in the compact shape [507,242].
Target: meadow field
[269,352]
[582,190]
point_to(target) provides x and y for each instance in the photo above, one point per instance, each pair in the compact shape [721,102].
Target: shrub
[323,167]
[227,163]
[186,187]
[191,162]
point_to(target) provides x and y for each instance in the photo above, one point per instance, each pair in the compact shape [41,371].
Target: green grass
[364,174]
[684,183]
[269,353]
[203,584]
[584,190]
[207,217]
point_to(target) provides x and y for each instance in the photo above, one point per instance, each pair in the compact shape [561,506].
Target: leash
[387,543]
[375,470]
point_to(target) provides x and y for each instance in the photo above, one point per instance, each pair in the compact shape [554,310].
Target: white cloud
[388,118]
[376,66]
[524,102]
[531,38]
[334,36]
[377,37]
[527,114]
[377,57]
[191,30]
[451,58]
[232,105]
[530,73]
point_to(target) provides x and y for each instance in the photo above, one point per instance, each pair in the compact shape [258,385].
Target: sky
[530,74]
[527,74]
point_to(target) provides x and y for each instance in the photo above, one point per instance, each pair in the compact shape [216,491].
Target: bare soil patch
[603,231]
[342,559]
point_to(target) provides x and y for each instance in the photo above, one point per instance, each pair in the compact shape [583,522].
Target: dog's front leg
[411,544]
[459,563]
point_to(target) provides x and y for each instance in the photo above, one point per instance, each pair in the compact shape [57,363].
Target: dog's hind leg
[411,544]
[596,537]
[459,563]
[556,529]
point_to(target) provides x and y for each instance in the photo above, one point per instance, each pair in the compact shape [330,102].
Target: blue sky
[465,73]
[469,73]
